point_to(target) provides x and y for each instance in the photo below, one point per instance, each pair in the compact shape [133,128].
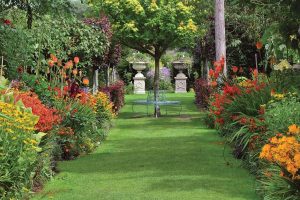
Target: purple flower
[165,73]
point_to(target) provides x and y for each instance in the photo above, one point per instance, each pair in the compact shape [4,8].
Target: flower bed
[260,119]
[34,136]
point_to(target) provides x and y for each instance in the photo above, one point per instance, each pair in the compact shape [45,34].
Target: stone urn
[180,79]
[139,78]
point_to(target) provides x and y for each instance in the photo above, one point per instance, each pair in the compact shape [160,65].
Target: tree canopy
[151,26]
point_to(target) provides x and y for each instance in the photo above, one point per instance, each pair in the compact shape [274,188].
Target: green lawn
[170,158]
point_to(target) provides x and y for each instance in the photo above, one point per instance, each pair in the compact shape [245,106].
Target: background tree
[151,26]
[35,8]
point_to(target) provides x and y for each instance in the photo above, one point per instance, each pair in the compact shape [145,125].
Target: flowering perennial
[284,150]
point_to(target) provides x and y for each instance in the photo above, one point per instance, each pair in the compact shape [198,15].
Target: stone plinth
[139,85]
[180,83]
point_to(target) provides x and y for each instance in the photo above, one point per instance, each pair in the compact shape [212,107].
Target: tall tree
[220,38]
[151,26]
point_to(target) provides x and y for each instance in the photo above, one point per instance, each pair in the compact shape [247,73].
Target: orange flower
[273,92]
[85,81]
[214,83]
[51,63]
[259,45]
[54,58]
[59,63]
[255,73]
[75,71]
[69,64]
[76,60]
[294,129]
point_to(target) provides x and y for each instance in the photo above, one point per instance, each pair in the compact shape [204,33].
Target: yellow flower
[192,26]
[153,5]
[284,64]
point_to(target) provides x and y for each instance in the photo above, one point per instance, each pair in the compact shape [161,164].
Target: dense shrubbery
[260,119]
[202,92]
[116,94]
[34,136]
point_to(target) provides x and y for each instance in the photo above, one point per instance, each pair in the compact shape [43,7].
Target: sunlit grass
[173,157]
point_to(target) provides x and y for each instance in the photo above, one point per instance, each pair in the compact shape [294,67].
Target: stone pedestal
[180,83]
[139,85]
[139,78]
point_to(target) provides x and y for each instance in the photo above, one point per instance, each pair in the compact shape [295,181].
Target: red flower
[222,61]
[235,69]
[76,60]
[7,22]
[220,121]
[259,45]
[241,70]
[231,90]
[219,69]
[243,120]
[211,72]
[48,117]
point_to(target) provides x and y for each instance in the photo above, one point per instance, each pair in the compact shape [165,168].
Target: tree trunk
[220,38]
[29,16]
[156,86]
[107,76]
[96,81]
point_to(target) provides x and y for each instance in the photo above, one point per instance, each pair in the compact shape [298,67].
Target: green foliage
[283,113]
[129,89]
[81,119]
[157,24]
[249,103]
[67,38]
[16,48]
[61,36]
[273,187]
[40,86]
[286,80]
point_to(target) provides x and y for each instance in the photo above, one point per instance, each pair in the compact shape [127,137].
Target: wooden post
[256,63]
[2,66]
[220,37]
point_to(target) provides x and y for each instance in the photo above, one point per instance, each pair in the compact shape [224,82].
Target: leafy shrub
[116,94]
[280,114]
[202,92]
[40,86]
[165,85]
[78,123]
[129,89]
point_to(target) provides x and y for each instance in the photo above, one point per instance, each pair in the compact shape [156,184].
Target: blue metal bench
[162,101]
